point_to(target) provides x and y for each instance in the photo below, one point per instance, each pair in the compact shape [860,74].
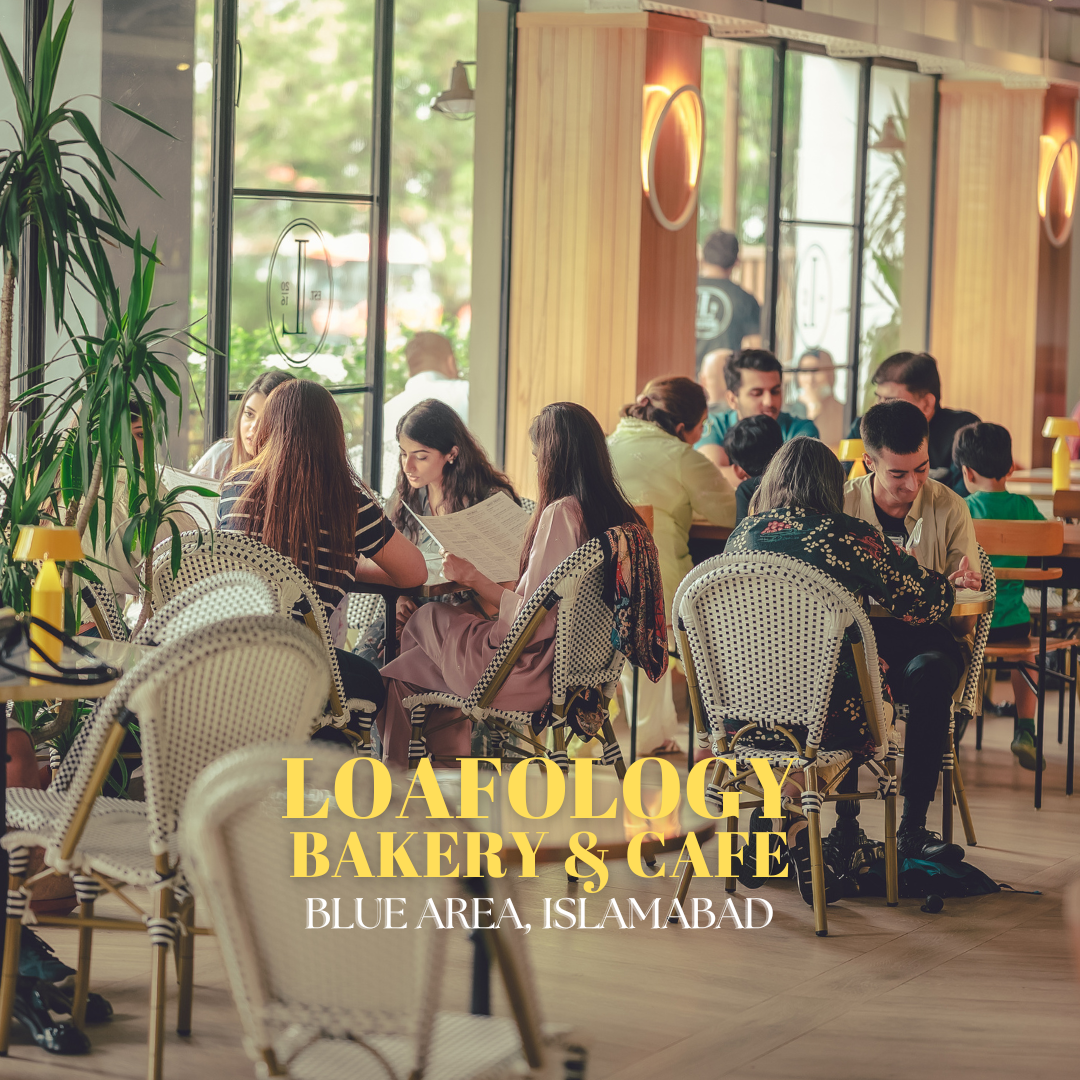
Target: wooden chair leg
[947,766]
[82,969]
[962,805]
[17,863]
[160,941]
[892,870]
[186,973]
[817,858]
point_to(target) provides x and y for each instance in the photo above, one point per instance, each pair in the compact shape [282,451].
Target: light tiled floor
[985,988]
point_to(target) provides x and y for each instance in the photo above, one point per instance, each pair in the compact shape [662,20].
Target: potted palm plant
[55,174]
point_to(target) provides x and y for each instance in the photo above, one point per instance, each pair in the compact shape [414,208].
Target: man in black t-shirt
[726,313]
[914,377]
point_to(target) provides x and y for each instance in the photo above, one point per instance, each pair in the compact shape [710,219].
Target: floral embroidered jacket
[864,562]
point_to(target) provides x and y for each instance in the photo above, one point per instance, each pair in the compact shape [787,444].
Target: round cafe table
[973,604]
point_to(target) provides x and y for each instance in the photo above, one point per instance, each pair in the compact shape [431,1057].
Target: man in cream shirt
[926,663]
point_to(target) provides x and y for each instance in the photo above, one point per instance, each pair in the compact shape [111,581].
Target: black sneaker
[799,854]
[840,846]
[920,843]
[748,876]
[37,959]
[32,1011]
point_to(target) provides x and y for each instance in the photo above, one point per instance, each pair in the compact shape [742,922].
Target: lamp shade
[1056,427]
[48,542]
[460,100]
[851,450]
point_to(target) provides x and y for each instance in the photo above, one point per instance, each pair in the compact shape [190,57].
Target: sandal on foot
[799,855]
[53,1036]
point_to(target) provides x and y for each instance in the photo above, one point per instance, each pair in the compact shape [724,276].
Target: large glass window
[736,85]
[818,200]
[852,211]
[896,233]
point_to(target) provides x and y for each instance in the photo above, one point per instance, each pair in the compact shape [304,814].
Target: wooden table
[964,607]
[703,530]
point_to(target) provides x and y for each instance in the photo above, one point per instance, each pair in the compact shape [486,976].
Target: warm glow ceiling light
[688,108]
[1063,160]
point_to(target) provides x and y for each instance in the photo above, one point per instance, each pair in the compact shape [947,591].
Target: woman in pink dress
[447,649]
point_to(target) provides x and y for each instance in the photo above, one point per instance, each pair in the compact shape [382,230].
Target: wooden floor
[986,988]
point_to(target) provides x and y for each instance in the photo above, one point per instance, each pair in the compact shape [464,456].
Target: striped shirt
[373,532]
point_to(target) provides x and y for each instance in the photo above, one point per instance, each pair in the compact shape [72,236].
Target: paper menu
[488,534]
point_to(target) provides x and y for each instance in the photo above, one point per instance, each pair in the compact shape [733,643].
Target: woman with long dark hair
[300,496]
[447,649]
[228,454]
[443,470]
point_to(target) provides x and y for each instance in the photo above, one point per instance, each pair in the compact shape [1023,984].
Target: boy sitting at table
[926,663]
[750,446]
[984,454]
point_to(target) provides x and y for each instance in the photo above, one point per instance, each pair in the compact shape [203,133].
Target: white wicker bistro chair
[584,658]
[206,553]
[229,595]
[203,603]
[760,635]
[346,1006]
[239,682]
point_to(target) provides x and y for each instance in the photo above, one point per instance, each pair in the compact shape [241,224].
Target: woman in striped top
[300,496]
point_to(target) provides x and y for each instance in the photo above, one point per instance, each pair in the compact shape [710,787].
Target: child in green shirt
[984,453]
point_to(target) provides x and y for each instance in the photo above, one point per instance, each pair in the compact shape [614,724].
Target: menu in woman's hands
[488,534]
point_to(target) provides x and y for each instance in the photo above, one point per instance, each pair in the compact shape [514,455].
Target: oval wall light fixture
[1061,161]
[686,106]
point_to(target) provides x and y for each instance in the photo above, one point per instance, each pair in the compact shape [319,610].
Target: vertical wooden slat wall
[577,188]
[986,256]
[601,297]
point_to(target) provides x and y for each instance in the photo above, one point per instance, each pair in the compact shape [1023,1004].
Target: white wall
[491,31]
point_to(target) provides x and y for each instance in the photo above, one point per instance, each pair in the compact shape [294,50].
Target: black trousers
[925,667]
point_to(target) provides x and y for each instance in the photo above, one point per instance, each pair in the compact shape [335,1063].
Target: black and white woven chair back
[106,605]
[528,504]
[220,596]
[969,701]
[584,653]
[205,554]
[296,992]
[240,682]
[765,632]
[563,586]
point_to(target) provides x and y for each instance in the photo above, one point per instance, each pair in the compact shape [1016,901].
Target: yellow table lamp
[1059,428]
[853,450]
[47,543]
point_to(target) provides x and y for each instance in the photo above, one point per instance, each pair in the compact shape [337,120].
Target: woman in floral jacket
[798,511]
